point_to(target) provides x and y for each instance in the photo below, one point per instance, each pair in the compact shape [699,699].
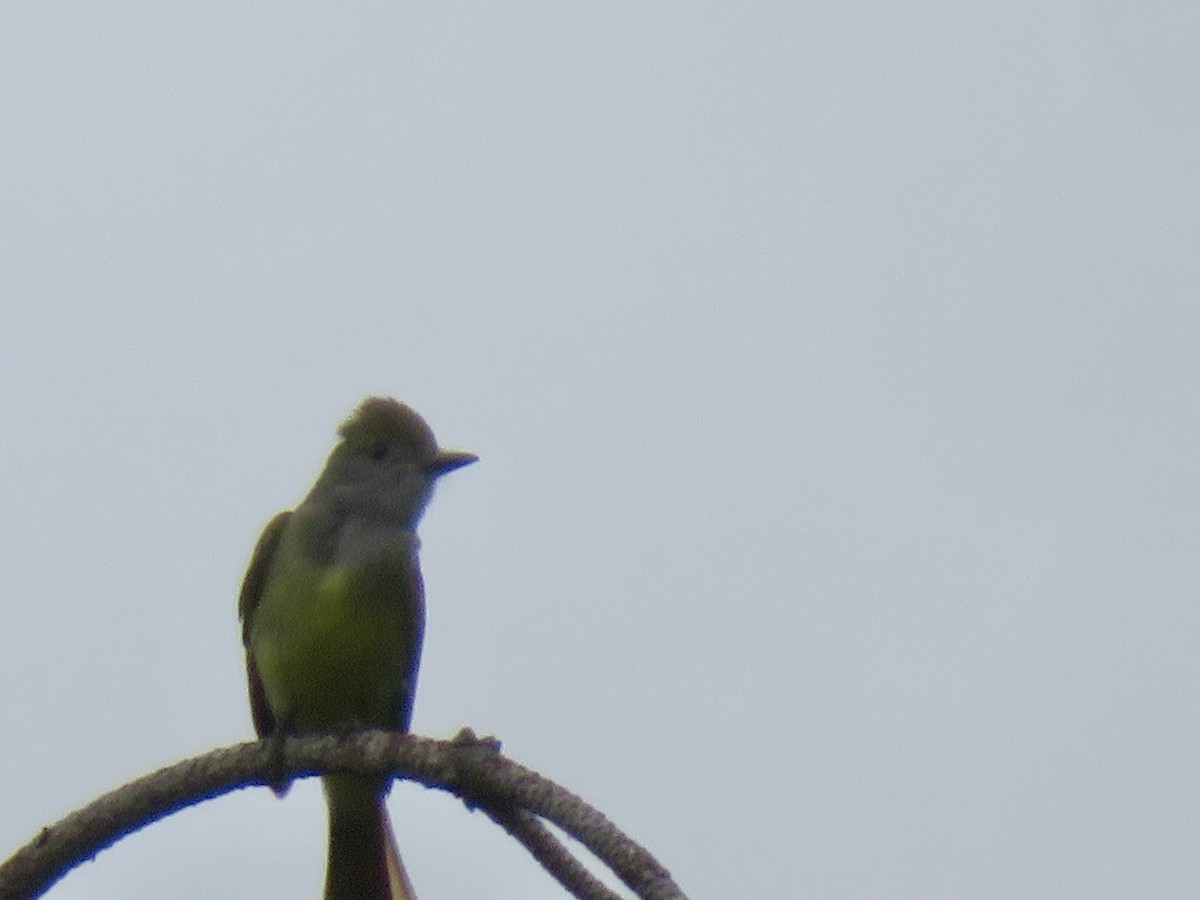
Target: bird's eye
[378,451]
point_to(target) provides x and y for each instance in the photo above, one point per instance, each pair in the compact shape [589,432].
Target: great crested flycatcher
[333,611]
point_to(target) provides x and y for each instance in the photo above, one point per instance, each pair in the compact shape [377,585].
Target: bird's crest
[382,420]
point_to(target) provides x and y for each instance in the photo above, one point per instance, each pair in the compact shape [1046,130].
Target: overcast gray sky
[833,368]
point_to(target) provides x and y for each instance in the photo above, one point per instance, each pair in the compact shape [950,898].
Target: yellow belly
[332,652]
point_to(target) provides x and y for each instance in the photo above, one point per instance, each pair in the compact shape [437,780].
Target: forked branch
[470,768]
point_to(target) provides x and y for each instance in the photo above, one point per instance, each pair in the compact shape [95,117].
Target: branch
[472,769]
[549,851]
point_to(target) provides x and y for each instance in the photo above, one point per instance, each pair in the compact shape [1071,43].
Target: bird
[332,608]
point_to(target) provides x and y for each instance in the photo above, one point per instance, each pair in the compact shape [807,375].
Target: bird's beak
[447,461]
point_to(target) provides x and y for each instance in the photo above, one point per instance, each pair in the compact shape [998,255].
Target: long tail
[364,863]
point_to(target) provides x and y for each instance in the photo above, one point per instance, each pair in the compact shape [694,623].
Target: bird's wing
[251,593]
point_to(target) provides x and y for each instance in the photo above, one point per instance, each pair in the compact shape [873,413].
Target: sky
[833,370]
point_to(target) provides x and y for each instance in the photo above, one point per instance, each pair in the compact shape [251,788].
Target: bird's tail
[364,862]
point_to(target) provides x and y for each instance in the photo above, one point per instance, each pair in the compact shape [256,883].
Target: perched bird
[333,612]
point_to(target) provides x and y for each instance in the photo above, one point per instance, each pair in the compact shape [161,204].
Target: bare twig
[467,767]
[550,852]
